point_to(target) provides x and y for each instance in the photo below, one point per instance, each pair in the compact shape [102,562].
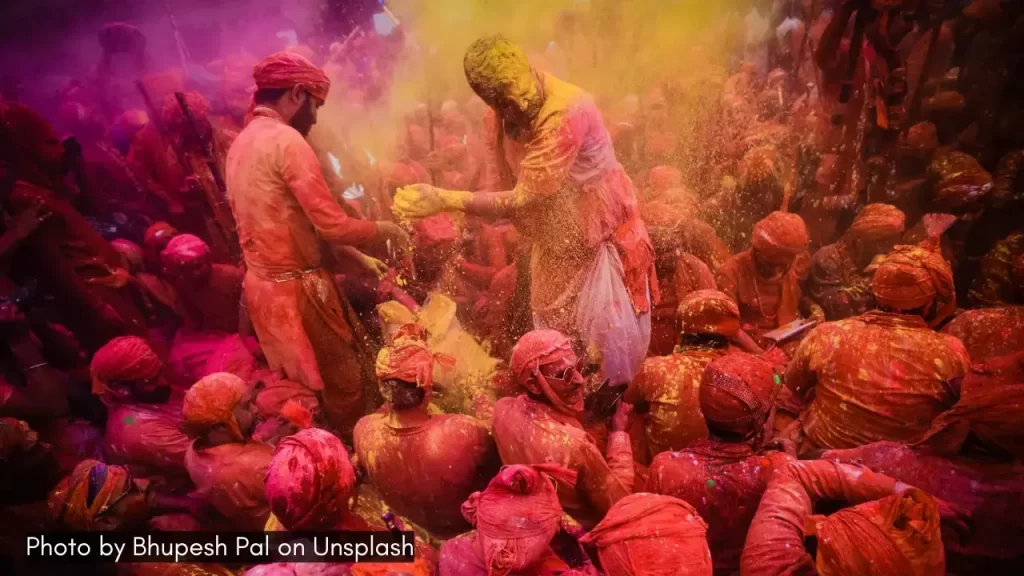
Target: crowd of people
[555,332]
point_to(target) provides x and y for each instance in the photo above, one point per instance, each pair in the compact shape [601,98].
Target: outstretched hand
[417,202]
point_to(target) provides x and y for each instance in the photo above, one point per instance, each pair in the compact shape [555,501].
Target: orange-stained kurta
[529,432]
[766,304]
[282,204]
[876,377]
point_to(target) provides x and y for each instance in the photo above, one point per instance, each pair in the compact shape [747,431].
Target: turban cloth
[309,480]
[877,222]
[174,117]
[494,65]
[780,237]
[709,312]
[123,359]
[157,236]
[737,392]
[652,535]
[912,277]
[897,535]
[434,231]
[921,140]
[409,358]
[287,69]
[518,512]
[662,178]
[90,489]
[960,182]
[182,250]
[212,401]
[539,348]
[130,252]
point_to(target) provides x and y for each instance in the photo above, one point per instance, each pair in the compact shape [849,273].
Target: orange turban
[123,359]
[518,510]
[878,221]
[709,312]
[309,481]
[652,534]
[780,237]
[912,277]
[174,117]
[183,249]
[212,401]
[737,392]
[408,358]
[90,489]
[287,69]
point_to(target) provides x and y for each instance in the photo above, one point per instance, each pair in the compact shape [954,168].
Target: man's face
[770,269]
[565,381]
[305,118]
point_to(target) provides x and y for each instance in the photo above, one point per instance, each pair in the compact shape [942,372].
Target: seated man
[425,466]
[765,279]
[542,426]
[226,465]
[208,294]
[144,410]
[989,333]
[840,279]
[884,375]
[516,518]
[724,477]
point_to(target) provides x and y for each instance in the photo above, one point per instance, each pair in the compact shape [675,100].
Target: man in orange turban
[841,273]
[225,463]
[397,446]
[542,426]
[284,208]
[916,280]
[765,279]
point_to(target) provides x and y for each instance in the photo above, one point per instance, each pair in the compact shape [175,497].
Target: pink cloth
[231,478]
[288,69]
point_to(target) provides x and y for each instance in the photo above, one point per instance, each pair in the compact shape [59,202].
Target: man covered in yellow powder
[552,169]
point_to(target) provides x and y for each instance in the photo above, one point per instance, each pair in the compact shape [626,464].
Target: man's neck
[408,417]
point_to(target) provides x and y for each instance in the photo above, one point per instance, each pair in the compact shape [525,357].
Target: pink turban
[124,359]
[287,69]
[652,534]
[212,401]
[518,512]
[408,358]
[182,250]
[912,277]
[435,230]
[309,481]
[737,392]
[780,237]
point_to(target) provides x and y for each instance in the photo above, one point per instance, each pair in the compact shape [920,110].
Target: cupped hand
[417,202]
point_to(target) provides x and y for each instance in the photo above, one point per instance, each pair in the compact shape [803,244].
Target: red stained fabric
[276,391]
[652,535]
[147,436]
[310,480]
[212,401]
[724,482]
[124,359]
[174,118]
[661,178]
[157,237]
[183,250]
[461,557]
[535,349]
[765,303]
[780,237]
[992,414]
[409,358]
[876,222]
[913,277]
[737,393]
[130,252]
[689,275]
[230,477]
[287,69]
[876,377]
[434,231]
[709,312]
[884,533]
[989,333]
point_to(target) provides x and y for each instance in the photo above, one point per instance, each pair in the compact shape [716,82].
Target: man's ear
[295,93]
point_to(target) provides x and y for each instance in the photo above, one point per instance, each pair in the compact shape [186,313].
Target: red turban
[912,277]
[539,348]
[737,392]
[435,230]
[182,250]
[662,178]
[650,534]
[517,514]
[212,401]
[86,493]
[709,312]
[130,252]
[780,237]
[877,222]
[309,481]
[408,358]
[287,69]
[174,117]
[157,236]
[124,359]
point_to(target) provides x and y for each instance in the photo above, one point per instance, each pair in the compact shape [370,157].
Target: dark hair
[268,95]
[405,395]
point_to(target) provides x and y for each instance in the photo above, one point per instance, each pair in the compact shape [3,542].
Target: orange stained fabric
[709,312]
[780,237]
[989,333]
[876,377]
[886,532]
[212,401]
[992,414]
[724,482]
[528,432]
[765,303]
[70,504]
[912,277]
[231,478]
[670,386]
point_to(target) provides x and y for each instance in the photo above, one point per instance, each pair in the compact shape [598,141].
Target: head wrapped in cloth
[499,71]
[780,237]
[517,515]
[709,312]
[174,117]
[86,494]
[539,348]
[309,481]
[183,250]
[157,236]
[877,222]
[899,534]
[409,358]
[286,70]
[645,534]
[212,401]
[437,230]
[124,360]
[407,173]
[737,393]
[131,253]
[915,277]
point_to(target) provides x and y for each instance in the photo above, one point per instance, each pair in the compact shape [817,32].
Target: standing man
[283,207]
[553,170]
